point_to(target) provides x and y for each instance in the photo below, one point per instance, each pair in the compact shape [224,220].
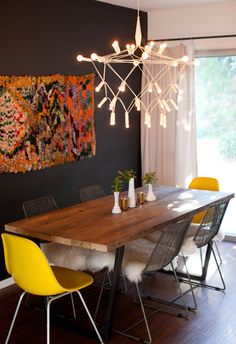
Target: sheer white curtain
[171,151]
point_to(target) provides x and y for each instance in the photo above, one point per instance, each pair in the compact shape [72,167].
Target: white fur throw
[136,256]
[78,258]
[219,236]
[188,248]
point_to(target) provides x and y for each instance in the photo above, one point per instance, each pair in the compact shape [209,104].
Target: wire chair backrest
[90,192]
[210,224]
[39,206]
[168,245]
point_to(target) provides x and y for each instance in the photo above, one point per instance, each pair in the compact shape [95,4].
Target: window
[215,86]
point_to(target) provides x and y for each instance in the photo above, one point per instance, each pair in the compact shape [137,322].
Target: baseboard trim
[6,283]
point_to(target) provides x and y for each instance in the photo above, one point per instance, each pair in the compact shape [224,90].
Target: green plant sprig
[149,177]
[117,184]
[126,175]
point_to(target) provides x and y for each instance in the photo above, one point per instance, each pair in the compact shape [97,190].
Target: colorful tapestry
[45,121]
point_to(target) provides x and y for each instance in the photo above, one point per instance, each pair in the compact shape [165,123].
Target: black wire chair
[207,230]
[39,206]
[166,248]
[90,192]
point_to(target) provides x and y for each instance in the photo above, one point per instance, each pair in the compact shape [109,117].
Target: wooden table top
[92,224]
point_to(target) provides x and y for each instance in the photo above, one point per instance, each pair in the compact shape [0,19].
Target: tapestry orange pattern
[45,121]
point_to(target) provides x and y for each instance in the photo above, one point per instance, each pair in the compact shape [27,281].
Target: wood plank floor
[214,322]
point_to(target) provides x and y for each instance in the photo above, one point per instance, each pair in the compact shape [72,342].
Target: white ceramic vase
[150,195]
[116,209]
[131,194]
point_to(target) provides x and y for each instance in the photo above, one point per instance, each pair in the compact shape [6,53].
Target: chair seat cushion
[70,279]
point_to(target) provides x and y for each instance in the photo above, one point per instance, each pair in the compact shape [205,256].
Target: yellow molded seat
[29,267]
[203,183]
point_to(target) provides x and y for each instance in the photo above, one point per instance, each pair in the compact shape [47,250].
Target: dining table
[92,225]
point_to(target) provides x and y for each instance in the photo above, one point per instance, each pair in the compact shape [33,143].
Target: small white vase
[150,195]
[131,194]
[116,209]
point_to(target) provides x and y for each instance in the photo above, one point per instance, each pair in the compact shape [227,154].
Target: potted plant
[128,176]
[117,185]
[149,179]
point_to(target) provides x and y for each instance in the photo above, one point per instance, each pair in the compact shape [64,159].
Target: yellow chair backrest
[29,267]
[203,183]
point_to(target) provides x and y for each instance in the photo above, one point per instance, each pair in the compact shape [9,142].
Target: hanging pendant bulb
[126,119]
[150,88]
[137,103]
[166,105]
[146,118]
[113,118]
[98,88]
[161,48]
[116,47]
[174,104]
[159,90]
[102,102]
[113,103]
[122,86]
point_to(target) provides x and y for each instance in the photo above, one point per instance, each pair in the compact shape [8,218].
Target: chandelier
[142,58]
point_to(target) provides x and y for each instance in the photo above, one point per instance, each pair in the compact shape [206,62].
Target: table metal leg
[113,292]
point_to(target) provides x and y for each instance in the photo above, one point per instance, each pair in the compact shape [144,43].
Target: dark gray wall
[44,37]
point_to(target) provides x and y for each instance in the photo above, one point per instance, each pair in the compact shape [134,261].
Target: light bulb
[166,105]
[94,56]
[116,47]
[174,63]
[149,122]
[136,63]
[128,49]
[98,88]
[102,102]
[113,118]
[185,58]
[151,44]
[150,88]
[147,48]
[132,47]
[178,88]
[174,104]
[80,58]
[146,118]
[159,90]
[145,55]
[122,86]
[113,103]
[164,121]
[126,119]
[137,103]
[161,48]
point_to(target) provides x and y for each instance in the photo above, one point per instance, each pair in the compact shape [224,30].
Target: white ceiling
[152,5]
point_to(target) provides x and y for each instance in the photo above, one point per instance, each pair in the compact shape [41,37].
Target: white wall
[192,21]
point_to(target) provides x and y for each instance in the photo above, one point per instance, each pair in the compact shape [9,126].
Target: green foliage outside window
[216,101]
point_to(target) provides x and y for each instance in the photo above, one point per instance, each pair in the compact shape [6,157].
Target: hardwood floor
[214,322]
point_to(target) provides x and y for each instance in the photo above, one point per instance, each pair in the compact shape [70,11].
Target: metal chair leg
[14,317]
[217,250]
[144,314]
[179,289]
[90,317]
[190,284]
[100,297]
[73,305]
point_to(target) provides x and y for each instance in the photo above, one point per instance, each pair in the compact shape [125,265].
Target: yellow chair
[203,183]
[210,184]
[28,266]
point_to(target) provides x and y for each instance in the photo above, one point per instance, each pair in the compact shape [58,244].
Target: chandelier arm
[117,74]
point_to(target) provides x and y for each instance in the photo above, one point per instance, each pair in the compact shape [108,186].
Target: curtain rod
[190,38]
